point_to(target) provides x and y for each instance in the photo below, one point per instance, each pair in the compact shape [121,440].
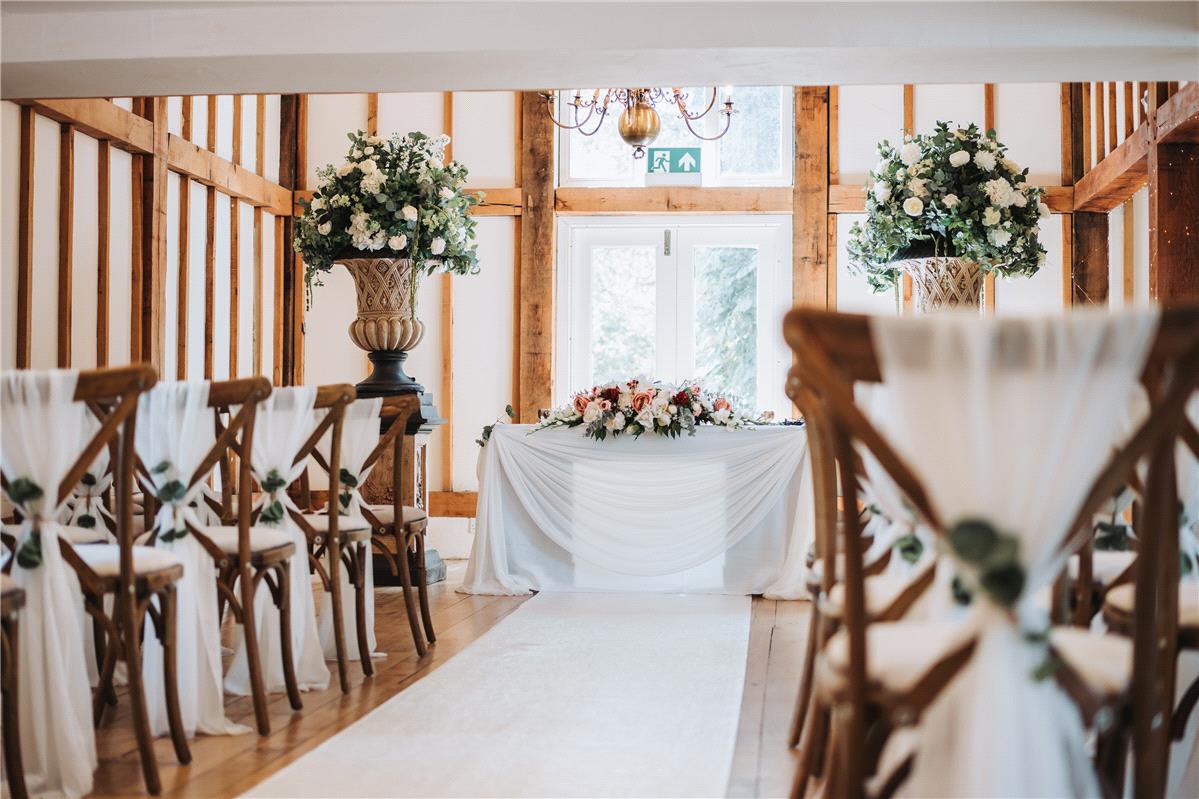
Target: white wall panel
[249,131]
[1140,247]
[10,198]
[956,103]
[1115,258]
[404,113]
[44,306]
[268,294]
[1028,120]
[120,233]
[1043,291]
[866,115]
[224,126]
[200,120]
[246,291]
[175,115]
[270,143]
[84,242]
[853,292]
[197,284]
[484,137]
[330,118]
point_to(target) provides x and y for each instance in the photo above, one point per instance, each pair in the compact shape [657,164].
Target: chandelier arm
[683,109]
[598,123]
[549,110]
[728,119]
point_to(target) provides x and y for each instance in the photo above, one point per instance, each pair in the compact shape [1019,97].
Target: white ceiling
[80,49]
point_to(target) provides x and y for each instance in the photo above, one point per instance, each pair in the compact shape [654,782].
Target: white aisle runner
[572,695]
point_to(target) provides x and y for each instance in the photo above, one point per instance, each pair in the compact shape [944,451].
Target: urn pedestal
[386,325]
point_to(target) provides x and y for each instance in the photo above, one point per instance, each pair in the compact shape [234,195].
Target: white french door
[674,298]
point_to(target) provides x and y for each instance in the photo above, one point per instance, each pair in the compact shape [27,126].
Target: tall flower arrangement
[396,198]
[952,193]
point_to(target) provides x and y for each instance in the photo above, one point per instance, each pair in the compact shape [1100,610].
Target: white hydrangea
[999,237]
[345,169]
[1042,209]
[437,246]
[445,193]
[372,182]
[592,413]
[913,206]
[991,216]
[909,153]
[916,187]
[949,200]
[985,160]
[1000,193]
[882,191]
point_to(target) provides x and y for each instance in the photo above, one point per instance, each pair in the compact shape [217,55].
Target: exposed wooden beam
[1117,177]
[1068,134]
[676,200]
[851,199]
[517,160]
[205,166]
[103,200]
[183,293]
[209,279]
[372,115]
[277,313]
[234,288]
[137,260]
[1178,118]
[154,235]
[24,335]
[809,199]
[1174,222]
[289,313]
[66,239]
[258,298]
[1089,262]
[453,504]
[260,134]
[99,119]
[537,259]
[1101,145]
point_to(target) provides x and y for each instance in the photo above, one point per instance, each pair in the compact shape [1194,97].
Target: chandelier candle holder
[639,122]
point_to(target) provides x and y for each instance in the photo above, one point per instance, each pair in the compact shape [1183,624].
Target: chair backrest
[395,416]
[334,399]
[833,351]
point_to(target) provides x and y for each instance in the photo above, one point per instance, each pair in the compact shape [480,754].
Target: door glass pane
[726,319]
[751,147]
[623,312]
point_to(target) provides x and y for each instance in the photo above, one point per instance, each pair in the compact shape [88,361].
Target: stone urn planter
[943,283]
[386,325]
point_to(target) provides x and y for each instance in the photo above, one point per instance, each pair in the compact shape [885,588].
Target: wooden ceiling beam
[1178,117]
[1118,176]
[225,176]
[100,119]
[693,200]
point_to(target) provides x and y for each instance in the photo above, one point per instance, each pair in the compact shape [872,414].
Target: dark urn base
[387,377]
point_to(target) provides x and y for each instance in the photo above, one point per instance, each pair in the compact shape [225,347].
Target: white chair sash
[174,433]
[43,433]
[87,507]
[1008,421]
[282,424]
[359,436]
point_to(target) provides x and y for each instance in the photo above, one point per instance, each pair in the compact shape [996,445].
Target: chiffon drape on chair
[282,423]
[42,432]
[175,431]
[644,508]
[1009,421]
[359,435]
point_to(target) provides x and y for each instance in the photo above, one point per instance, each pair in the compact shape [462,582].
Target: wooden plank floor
[228,765]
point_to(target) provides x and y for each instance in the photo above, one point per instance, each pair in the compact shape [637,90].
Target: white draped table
[723,511]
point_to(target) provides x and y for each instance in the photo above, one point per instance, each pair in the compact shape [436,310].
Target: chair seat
[70,533]
[351,527]
[386,514]
[105,560]
[1106,566]
[1121,599]
[1102,660]
[900,653]
[262,539]
[881,591]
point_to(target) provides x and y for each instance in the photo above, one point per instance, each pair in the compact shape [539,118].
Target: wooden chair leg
[132,651]
[803,700]
[405,568]
[250,632]
[360,553]
[333,553]
[422,587]
[812,751]
[14,768]
[167,602]
[283,603]
[101,697]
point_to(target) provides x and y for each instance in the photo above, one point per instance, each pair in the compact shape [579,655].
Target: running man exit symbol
[673,160]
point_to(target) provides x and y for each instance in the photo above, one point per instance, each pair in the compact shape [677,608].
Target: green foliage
[273,482]
[22,491]
[993,557]
[392,198]
[487,429]
[171,491]
[272,514]
[86,521]
[951,193]
[909,547]
[29,554]
[1112,537]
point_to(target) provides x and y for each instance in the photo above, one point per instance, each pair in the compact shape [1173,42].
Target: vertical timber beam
[154,235]
[1087,250]
[103,198]
[537,237]
[809,222]
[66,239]
[1173,220]
[293,289]
[25,239]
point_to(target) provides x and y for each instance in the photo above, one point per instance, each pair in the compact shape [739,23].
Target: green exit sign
[673,160]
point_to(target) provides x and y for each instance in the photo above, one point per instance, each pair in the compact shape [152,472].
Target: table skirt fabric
[723,511]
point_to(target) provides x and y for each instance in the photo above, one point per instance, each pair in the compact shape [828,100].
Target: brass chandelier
[639,122]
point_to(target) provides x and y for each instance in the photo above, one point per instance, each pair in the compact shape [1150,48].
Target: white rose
[437,246]
[696,408]
[436,163]
[409,213]
[1011,166]
[616,422]
[881,166]
[909,153]
[999,237]
[345,169]
[664,419]
[445,193]
[317,203]
[959,158]
[950,200]
[913,206]
[367,167]
[882,191]
[646,418]
[369,150]
[1042,209]
[592,413]
[324,228]
[985,160]
[916,187]
[1019,199]
[398,242]
[722,416]
[990,216]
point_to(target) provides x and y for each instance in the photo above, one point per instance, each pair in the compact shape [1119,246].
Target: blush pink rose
[605,405]
[695,391]
[641,400]
[721,404]
[581,403]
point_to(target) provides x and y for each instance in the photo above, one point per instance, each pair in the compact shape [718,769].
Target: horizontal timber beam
[100,119]
[851,199]
[694,200]
[1118,176]
[1178,117]
[496,202]
[225,176]
[453,504]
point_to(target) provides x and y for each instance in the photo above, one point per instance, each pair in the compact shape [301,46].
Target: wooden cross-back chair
[134,576]
[245,556]
[834,351]
[12,599]
[328,533]
[399,528]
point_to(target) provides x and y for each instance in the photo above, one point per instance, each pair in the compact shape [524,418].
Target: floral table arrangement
[946,208]
[638,406]
[393,211]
